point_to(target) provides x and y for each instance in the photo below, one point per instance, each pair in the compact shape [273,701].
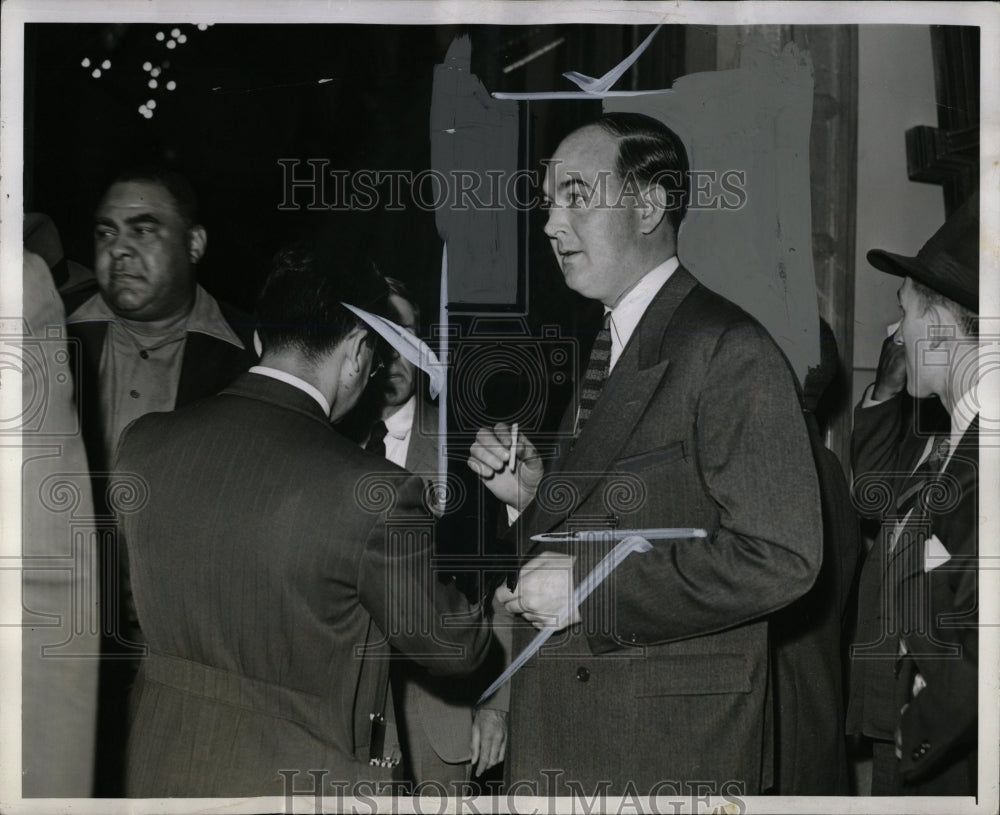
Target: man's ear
[358,350]
[652,208]
[197,241]
[947,322]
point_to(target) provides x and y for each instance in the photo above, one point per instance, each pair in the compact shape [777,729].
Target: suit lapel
[627,392]
[422,452]
[910,551]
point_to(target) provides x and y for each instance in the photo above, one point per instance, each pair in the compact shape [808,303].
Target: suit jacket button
[583,674]
[917,755]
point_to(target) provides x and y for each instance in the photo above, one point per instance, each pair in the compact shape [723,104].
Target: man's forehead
[138,196]
[582,155]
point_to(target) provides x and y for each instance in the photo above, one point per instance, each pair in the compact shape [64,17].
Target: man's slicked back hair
[650,151]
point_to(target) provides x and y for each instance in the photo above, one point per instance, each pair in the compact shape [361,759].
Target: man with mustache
[150,340]
[658,683]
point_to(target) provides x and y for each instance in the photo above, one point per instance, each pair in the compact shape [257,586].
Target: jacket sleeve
[875,453]
[756,464]
[428,620]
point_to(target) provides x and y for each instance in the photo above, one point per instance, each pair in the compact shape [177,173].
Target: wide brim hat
[948,263]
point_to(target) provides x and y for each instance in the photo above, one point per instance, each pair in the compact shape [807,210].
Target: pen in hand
[513,448]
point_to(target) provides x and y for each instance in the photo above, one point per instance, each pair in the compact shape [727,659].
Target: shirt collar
[626,314]
[295,382]
[398,425]
[205,317]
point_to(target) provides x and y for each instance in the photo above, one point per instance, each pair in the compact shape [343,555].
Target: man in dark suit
[688,418]
[150,339]
[274,563]
[915,658]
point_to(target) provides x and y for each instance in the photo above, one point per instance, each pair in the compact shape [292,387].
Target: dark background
[249,95]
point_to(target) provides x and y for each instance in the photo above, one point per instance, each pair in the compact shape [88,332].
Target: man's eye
[576,200]
[103,234]
[144,231]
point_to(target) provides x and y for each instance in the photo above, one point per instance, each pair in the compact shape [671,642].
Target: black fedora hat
[948,262]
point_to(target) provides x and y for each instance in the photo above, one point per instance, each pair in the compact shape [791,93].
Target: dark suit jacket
[667,678]
[885,448]
[208,365]
[273,564]
[808,648]
[442,708]
[937,606]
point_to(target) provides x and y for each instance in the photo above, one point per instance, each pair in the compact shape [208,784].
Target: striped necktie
[597,373]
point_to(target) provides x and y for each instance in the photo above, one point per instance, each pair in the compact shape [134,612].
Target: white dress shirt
[628,311]
[625,317]
[398,431]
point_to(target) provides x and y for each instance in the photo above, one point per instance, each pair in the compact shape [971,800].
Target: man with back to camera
[274,562]
[914,678]
[660,678]
[151,339]
[443,739]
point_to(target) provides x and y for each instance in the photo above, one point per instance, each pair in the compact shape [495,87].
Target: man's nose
[555,223]
[120,246]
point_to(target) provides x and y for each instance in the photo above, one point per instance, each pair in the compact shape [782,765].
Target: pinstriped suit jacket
[270,576]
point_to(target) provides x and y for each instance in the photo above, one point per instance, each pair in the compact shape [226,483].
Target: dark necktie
[597,373]
[376,440]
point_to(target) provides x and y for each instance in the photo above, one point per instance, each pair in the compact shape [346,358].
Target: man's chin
[393,396]
[576,280]
[126,304]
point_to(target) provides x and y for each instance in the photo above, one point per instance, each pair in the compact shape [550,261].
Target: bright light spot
[151,104]
[175,32]
[182,39]
[86,62]
[202,26]
[171,85]
[171,44]
[106,64]
[143,109]
[148,114]
[147,66]
[154,72]
[96,73]
[159,36]
[152,83]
